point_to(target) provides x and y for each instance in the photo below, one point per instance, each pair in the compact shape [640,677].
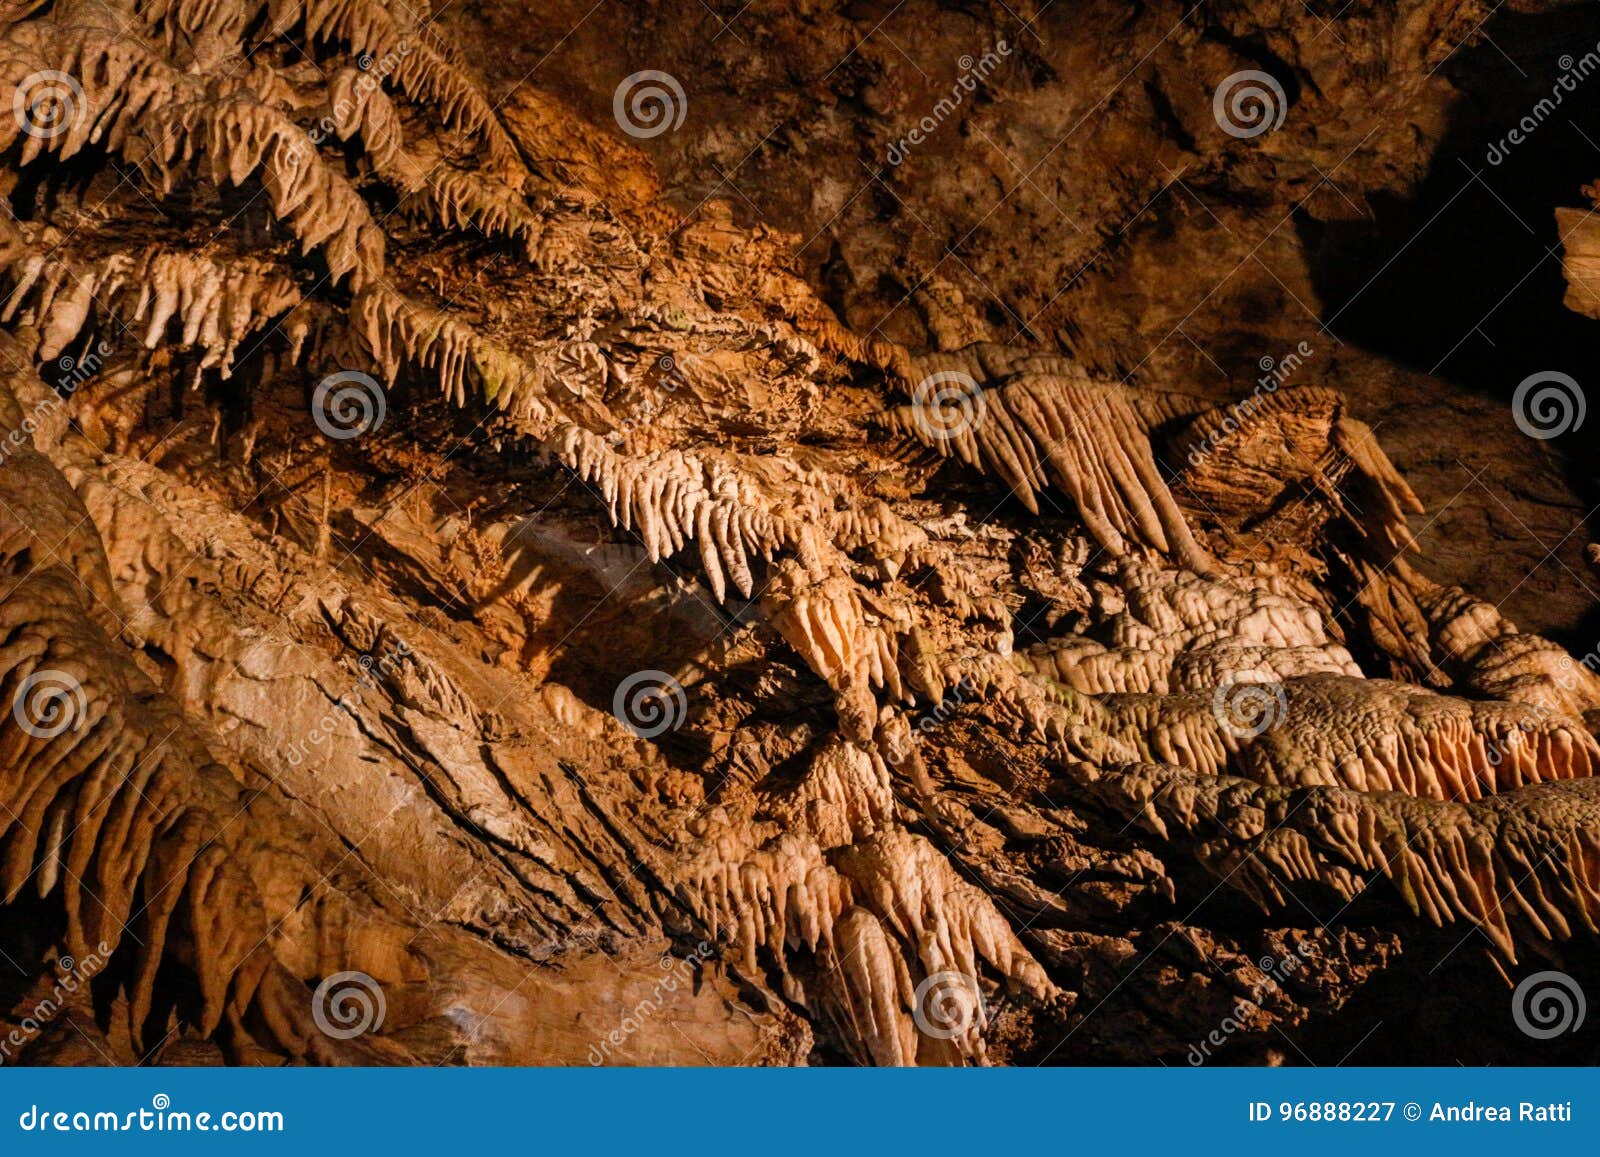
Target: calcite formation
[421,565]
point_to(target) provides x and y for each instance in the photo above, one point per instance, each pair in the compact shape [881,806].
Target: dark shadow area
[1446,1001]
[1463,279]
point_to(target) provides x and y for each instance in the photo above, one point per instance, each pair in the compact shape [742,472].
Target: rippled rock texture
[501,562]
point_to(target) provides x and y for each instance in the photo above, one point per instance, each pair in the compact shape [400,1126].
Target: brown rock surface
[474,592]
